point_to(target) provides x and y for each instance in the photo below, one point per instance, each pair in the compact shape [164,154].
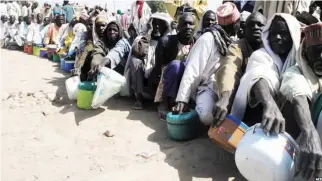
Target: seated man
[3,25]
[11,33]
[142,59]
[233,65]
[198,80]
[257,95]
[302,86]
[34,35]
[111,50]
[170,55]
[55,31]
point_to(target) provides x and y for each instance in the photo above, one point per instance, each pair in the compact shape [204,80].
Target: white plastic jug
[72,87]
[109,83]
[265,157]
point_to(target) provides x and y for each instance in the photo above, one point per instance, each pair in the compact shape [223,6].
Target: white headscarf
[295,31]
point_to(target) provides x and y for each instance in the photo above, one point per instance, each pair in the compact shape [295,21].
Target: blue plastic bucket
[69,65]
[62,64]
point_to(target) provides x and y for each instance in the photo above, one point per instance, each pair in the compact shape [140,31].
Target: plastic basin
[182,127]
[43,53]
[56,57]
[265,157]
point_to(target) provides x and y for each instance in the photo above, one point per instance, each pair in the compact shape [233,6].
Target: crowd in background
[260,61]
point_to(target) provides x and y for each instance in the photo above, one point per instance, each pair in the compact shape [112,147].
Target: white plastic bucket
[265,157]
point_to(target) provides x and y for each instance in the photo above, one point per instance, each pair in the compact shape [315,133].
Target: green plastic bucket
[85,94]
[56,57]
[36,51]
[182,127]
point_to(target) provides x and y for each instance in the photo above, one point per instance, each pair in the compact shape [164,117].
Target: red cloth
[140,3]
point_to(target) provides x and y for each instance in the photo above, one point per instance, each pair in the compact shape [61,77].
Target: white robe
[34,33]
[265,64]
[3,9]
[3,27]
[198,81]
[139,24]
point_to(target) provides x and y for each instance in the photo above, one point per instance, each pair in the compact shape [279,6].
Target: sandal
[137,106]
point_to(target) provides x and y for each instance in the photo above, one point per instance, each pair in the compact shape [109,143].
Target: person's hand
[273,121]
[308,159]
[220,110]
[180,108]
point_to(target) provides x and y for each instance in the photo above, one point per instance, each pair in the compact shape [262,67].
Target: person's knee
[205,115]
[136,63]
[174,69]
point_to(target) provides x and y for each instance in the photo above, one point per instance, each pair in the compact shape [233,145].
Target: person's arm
[227,76]
[272,121]
[159,58]
[48,35]
[117,54]
[197,60]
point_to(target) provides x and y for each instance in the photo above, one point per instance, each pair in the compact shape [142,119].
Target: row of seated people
[271,76]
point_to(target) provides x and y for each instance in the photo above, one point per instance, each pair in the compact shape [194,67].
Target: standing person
[3,8]
[57,10]
[68,11]
[170,57]
[24,9]
[199,5]
[119,17]
[233,65]
[47,12]
[126,20]
[35,9]
[140,14]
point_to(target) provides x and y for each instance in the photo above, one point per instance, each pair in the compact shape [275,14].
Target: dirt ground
[45,137]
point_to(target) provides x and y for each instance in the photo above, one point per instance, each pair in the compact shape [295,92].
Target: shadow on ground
[197,158]
[66,104]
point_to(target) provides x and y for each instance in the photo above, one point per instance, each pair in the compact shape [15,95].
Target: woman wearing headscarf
[208,19]
[110,48]
[255,98]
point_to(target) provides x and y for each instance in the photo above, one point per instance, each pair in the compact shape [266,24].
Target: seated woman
[257,95]
[142,59]
[208,19]
[302,86]
[110,48]
[170,57]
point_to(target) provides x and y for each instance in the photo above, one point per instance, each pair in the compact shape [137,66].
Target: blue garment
[68,11]
[57,10]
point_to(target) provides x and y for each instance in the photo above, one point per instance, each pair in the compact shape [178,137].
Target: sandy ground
[55,141]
